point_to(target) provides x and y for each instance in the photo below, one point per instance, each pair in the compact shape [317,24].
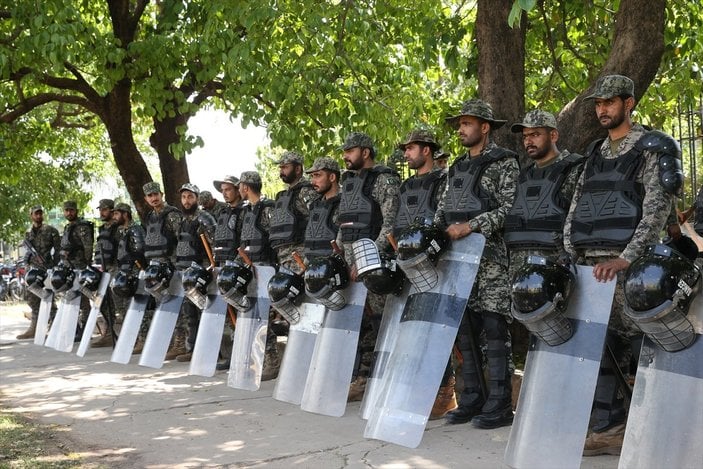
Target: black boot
[497,410]
[471,399]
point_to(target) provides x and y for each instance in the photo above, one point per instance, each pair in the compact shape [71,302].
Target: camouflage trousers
[491,290]
[34,302]
[370,324]
[285,257]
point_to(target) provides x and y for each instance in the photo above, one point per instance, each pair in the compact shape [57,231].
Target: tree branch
[552,52]
[34,102]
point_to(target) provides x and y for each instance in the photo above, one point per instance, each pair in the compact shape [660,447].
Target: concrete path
[131,416]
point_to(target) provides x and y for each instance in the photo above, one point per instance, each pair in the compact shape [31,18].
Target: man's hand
[458,231]
[606,271]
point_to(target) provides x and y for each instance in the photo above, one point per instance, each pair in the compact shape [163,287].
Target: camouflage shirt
[217,208]
[656,203]
[47,242]
[82,238]
[500,180]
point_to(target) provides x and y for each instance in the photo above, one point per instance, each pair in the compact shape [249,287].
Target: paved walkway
[130,416]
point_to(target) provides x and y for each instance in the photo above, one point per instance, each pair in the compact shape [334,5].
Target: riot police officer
[106,257]
[210,204]
[322,225]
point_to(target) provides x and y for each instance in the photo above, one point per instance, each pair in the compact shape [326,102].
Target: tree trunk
[638,46]
[174,172]
[501,66]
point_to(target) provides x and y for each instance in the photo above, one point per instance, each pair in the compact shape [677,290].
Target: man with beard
[367,209]
[256,221]
[535,222]
[322,225]
[46,242]
[77,251]
[227,233]
[106,257]
[190,250]
[479,193]
[210,204]
[161,227]
[620,206]
[291,211]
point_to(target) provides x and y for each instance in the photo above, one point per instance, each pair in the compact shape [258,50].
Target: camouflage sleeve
[656,207]
[568,246]
[266,214]
[438,195]
[85,234]
[439,214]
[305,197]
[673,218]
[173,222]
[500,179]
[386,191]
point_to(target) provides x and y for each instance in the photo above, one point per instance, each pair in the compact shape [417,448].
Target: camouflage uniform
[77,251]
[47,242]
[624,337]
[488,309]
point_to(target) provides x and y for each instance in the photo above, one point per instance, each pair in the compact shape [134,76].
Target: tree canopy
[83,79]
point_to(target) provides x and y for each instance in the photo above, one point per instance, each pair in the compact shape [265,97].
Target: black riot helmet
[684,245]
[62,277]
[197,277]
[35,277]
[124,284]
[89,278]
[285,289]
[659,288]
[157,275]
[385,279]
[234,274]
[326,273]
[540,293]
[421,237]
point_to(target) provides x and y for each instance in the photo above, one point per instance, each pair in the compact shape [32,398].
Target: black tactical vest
[357,209]
[71,244]
[106,249]
[698,226]
[131,248]
[159,242]
[226,236]
[287,223]
[465,197]
[254,236]
[610,207]
[190,247]
[536,219]
[321,230]
[418,198]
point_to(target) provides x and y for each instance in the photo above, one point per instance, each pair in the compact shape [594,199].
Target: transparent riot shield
[387,335]
[665,422]
[302,335]
[249,345]
[207,342]
[163,324]
[69,320]
[551,422]
[46,297]
[426,333]
[131,324]
[96,300]
[332,364]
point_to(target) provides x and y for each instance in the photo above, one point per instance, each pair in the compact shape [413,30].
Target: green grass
[24,444]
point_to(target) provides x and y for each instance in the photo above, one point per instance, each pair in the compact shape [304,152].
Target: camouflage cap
[122,207]
[190,188]
[106,203]
[36,208]
[535,119]
[357,139]
[227,180]
[290,157]
[476,108]
[70,205]
[441,155]
[152,187]
[250,177]
[205,197]
[420,136]
[609,86]
[324,162]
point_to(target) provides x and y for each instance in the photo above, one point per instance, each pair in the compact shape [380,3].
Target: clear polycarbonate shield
[96,300]
[163,324]
[332,364]
[299,349]
[551,422]
[131,324]
[69,320]
[249,345]
[426,333]
[46,297]
[207,343]
[53,335]
[665,421]
[387,335]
